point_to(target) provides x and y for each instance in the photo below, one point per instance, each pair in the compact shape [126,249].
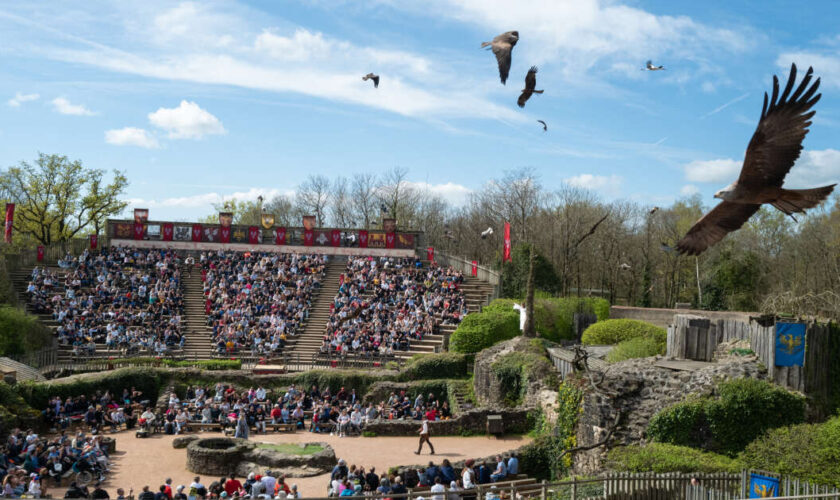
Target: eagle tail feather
[797,200]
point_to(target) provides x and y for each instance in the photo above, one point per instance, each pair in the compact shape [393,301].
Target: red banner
[167,230]
[430,254]
[390,240]
[474,270]
[94,241]
[139,229]
[363,239]
[506,257]
[196,233]
[224,234]
[253,235]
[280,236]
[335,237]
[40,253]
[308,237]
[10,217]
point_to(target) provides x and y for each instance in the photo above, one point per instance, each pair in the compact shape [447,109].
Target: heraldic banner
[196,233]
[224,234]
[309,222]
[308,237]
[141,215]
[40,254]
[506,257]
[167,231]
[363,239]
[253,235]
[390,240]
[280,236]
[790,344]
[225,219]
[94,241]
[10,217]
[139,230]
[335,237]
[267,220]
[763,486]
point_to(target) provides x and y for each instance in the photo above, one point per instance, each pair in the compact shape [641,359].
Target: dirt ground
[139,462]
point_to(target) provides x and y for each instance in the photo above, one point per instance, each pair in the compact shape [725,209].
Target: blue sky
[198,101]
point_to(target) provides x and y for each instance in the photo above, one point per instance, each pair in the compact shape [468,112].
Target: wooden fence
[563,358]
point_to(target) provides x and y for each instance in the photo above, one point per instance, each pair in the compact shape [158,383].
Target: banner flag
[267,220]
[507,257]
[253,235]
[308,237]
[211,233]
[40,253]
[167,232]
[430,254]
[389,225]
[139,230]
[790,344]
[94,241]
[363,239]
[224,234]
[10,217]
[196,232]
[474,270]
[336,238]
[390,240]
[141,215]
[763,486]
[280,236]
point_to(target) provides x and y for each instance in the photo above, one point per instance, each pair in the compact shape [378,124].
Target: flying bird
[653,210]
[383,208]
[624,266]
[375,78]
[530,85]
[502,46]
[773,149]
[650,67]
[487,232]
[545,127]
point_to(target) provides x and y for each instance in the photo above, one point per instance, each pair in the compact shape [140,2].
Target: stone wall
[665,317]
[642,390]
[488,389]
[472,422]
[222,456]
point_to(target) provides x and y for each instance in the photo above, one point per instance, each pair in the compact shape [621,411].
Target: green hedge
[481,330]
[640,347]
[613,331]
[808,452]
[661,458]
[554,316]
[434,366]
[205,364]
[21,332]
[745,409]
[149,381]
[516,370]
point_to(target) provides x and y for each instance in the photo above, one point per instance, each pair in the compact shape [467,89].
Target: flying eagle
[772,151]
[650,67]
[502,45]
[545,127]
[487,232]
[530,84]
[375,78]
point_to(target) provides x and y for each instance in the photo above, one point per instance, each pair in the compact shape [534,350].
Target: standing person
[241,427]
[424,437]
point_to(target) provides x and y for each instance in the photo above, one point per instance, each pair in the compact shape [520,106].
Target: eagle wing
[376,81]
[712,227]
[777,141]
[502,50]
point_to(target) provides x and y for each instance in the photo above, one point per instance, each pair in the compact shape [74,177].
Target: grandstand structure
[305,346]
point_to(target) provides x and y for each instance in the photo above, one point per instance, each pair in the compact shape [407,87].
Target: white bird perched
[487,232]
[624,266]
[650,67]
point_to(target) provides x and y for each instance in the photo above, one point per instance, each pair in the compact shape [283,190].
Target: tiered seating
[385,305]
[255,301]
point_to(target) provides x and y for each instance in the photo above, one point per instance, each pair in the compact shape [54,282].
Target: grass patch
[292,449]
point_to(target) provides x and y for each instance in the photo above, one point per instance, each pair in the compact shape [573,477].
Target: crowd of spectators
[127,298]
[97,412]
[384,304]
[255,301]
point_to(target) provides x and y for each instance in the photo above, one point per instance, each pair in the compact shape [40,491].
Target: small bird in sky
[502,45]
[375,78]
[383,208]
[653,210]
[530,85]
[545,127]
[487,232]
[650,67]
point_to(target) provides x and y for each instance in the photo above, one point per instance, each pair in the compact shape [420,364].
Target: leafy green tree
[57,199]
[515,273]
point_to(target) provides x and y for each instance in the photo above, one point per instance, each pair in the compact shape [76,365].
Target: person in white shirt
[468,475]
[180,421]
[294,492]
[343,423]
[438,490]
[261,394]
[424,437]
[356,420]
[269,481]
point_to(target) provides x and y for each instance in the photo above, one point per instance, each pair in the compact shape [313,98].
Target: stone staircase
[197,335]
[308,343]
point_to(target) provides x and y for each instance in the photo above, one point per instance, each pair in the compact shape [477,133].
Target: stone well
[218,456]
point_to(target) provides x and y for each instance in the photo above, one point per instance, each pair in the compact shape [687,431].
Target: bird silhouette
[545,127]
[502,46]
[375,78]
[383,208]
[650,67]
[530,84]
[653,210]
[487,232]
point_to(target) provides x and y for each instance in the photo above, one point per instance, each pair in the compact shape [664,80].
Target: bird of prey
[653,210]
[774,147]
[545,127]
[383,208]
[530,85]
[650,67]
[502,46]
[487,232]
[375,78]
[624,266]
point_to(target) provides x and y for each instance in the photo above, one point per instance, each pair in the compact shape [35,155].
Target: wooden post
[542,491]
[574,488]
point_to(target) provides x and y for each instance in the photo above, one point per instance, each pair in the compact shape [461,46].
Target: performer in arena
[424,437]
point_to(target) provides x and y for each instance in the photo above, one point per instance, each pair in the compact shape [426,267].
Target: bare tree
[397,195]
[313,196]
[283,209]
[341,212]
[363,198]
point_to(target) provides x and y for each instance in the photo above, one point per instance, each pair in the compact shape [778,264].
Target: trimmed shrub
[205,364]
[21,332]
[745,409]
[435,366]
[640,347]
[149,381]
[481,330]
[808,452]
[661,458]
[613,331]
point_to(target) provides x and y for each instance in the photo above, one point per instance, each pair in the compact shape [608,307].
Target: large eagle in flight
[772,151]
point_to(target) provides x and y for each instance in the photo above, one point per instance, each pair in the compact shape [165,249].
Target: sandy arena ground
[149,461]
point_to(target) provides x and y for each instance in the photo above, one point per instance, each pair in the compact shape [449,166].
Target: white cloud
[607,184]
[131,136]
[826,66]
[301,46]
[20,98]
[722,170]
[65,107]
[206,200]
[455,194]
[814,169]
[689,189]
[187,121]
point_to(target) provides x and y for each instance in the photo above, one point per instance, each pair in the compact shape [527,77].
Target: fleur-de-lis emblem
[762,491]
[791,342]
